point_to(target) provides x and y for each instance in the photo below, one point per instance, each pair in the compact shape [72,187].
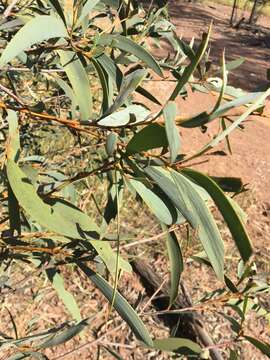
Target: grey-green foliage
[88,72]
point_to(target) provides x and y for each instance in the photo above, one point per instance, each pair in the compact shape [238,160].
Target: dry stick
[9,9]
[10,93]
[191,324]
[152,238]
[25,69]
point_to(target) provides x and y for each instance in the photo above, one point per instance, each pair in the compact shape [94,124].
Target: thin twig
[152,238]
[9,9]
[10,93]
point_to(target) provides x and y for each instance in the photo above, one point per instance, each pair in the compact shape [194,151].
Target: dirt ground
[251,147]
[250,161]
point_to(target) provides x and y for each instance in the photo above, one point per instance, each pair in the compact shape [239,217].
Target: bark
[187,325]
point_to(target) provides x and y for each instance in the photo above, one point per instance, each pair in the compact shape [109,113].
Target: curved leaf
[79,82]
[40,28]
[68,299]
[191,203]
[150,137]
[192,66]
[129,84]
[65,335]
[130,115]
[120,304]
[177,345]
[87,8]
[262,346]
[206,227]
[59,216]
[176,263]
[166,214]
[172,131]
[122,43]
[227,210]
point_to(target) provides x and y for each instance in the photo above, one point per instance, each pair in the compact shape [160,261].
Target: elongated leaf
[129,84]
[262,346]
[111,143]
[65,335]
[224,84]
[150,137]
[107,93]
[122,43]
[130,115]
[114,354]
[120,304]
[234,64]
[232,127]
[147,95]
[177,345]
[172,131]
[60,217]
[191,204]
[28,355]
[227,210]
[204,118]
[58,8]
[163,211]
[36,30]
[68,299]
[109,257]
[13,136]
[207,229]
[79,82]
[165,182]
[176,263]
[117,77]
[87,8]
[229,184]
[111,69]
[68,92]
[14,150]
[192,66]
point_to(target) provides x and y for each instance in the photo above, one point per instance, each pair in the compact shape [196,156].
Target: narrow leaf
[79,82]
[68,299]
[176,263]
[59,216]
[178,346]
[125,44]
[87,8]
[150,137]
[227,210]
[120,304]
[262,346]
[129,84]
[39,29]
[162,210]
[206,227]
[192,66]
[130,115]
[172,131]
[65,335]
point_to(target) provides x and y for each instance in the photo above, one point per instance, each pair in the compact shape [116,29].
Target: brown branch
[188,325]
